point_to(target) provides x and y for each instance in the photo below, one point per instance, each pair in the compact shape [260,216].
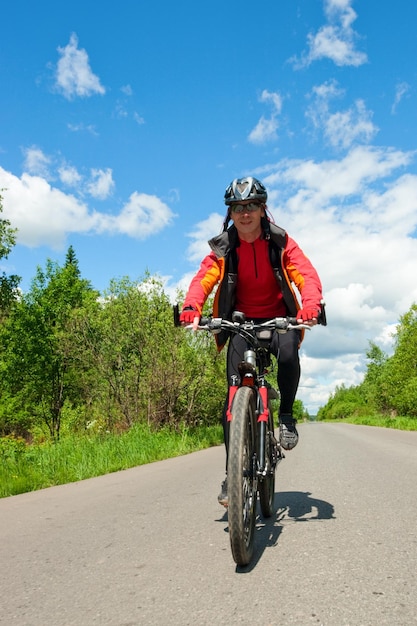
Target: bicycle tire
[266,485]
[241,476]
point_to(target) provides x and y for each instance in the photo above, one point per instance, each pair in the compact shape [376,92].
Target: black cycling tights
[285,348]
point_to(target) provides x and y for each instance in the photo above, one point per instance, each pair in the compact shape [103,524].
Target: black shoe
[288,435]
[222,497]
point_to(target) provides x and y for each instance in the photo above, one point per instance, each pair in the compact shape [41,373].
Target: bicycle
[254,452]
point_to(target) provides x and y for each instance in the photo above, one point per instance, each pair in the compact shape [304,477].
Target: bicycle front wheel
[241,476]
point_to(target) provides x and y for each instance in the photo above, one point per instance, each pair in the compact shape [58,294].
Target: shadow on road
[301,507]
[290,506]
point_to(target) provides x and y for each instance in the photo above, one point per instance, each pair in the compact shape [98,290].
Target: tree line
[389,387]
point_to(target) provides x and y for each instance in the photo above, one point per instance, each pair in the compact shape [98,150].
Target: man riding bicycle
[256,266]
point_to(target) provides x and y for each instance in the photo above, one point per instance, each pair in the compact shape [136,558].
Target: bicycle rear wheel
[241,477]
[266,485]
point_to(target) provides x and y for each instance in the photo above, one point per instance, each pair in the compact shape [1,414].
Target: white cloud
[201,233]
[101,184]
[321,182]
[74,76]
[127,90]
[69,176]
[319,377]
[344,128]
[340,129]
[120,110]
[44,215]
[401,90]
[41,213]
[266,129]
[274,98]
[80,128]
[336,40]
[326,91]
[36,162]
[141,217]
[138,118]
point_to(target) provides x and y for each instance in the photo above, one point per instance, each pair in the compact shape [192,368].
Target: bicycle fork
[269,451]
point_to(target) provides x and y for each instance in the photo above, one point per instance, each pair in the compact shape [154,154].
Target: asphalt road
[149,546]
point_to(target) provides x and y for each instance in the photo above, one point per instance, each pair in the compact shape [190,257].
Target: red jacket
[290,267]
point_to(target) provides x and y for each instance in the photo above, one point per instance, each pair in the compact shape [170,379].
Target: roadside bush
[12,447]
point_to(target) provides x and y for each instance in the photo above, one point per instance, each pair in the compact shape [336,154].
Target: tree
[8,284]
[147,369]
[37,359]
[104,363]
[345,402]
[399,377]
[299,411]
[373,387]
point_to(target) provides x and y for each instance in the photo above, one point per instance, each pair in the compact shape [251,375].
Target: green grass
[399,423]
[28,468]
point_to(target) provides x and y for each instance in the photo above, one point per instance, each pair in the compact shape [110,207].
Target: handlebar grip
[176,314]
[322,319]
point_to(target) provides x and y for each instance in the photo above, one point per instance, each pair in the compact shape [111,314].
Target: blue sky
[122,126]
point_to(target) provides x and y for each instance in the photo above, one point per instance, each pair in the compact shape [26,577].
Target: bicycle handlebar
[214,324]
[278,323]
[239,323]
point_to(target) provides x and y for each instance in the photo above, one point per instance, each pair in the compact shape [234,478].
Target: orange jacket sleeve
[303,274]
[208,276]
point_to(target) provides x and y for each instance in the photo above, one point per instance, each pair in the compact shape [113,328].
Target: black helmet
[248,188]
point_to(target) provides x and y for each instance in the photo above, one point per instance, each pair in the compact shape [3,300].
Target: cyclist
[256,266]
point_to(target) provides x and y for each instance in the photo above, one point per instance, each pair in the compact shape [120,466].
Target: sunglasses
[245,208]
